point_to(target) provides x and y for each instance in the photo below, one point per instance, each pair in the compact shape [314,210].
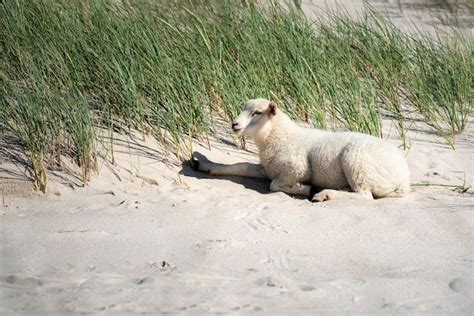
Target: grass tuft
[71,67]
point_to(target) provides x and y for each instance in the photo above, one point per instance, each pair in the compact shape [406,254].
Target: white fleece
[329,160]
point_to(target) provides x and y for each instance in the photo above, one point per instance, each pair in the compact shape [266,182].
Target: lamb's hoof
[321,196]
[199,163]
[194,163]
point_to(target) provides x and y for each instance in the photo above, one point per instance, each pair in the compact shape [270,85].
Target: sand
[152,236]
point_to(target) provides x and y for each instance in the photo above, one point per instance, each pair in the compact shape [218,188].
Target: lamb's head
[256,115]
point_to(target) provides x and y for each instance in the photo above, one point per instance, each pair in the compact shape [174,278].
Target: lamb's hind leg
[282,184]
[328,194]
[243,169]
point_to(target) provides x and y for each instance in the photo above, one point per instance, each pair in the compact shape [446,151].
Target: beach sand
[153,236]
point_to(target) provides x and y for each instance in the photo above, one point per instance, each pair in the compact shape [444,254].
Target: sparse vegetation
[69,67]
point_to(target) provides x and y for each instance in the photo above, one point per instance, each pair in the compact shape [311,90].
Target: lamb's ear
[273,108]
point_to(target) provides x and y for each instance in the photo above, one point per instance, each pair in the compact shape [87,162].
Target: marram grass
[71,67]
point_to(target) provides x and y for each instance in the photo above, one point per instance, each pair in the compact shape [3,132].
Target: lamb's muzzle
[235,127]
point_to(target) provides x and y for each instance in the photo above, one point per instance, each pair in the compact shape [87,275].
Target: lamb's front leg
[243,169]
[329,194]
[283,184]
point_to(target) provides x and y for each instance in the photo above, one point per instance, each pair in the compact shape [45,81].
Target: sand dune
[199,244]
[151,236]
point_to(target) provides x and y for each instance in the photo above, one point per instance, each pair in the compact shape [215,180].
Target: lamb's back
[367,158]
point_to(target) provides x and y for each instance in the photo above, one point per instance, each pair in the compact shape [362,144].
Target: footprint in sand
[255,308]
[145,280]
[463,286]
[307,288]
[255,220]
[23,282]
[270,282]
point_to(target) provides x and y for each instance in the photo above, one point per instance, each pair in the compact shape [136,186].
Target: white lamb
[297,159]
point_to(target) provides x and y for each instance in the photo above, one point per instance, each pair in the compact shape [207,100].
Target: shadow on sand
[190,169]
[262,186]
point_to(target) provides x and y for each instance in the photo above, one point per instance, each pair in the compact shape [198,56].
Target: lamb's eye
[256,113]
